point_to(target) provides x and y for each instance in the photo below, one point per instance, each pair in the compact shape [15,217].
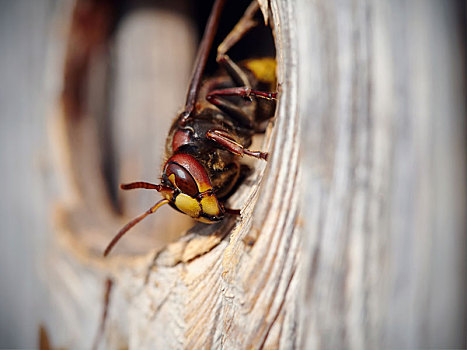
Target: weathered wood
[375,256]
[24,227]
[228,285]
[382,98]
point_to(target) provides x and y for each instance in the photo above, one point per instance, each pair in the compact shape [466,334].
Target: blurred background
[24,216]
[32,36]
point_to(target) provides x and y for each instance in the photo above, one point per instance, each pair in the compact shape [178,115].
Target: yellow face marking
[172,179]
[167,194]
[210,206]
[264,69]
[188,205]
[204,220]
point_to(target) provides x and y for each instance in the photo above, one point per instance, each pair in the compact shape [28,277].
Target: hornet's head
[186,187]
[189,190]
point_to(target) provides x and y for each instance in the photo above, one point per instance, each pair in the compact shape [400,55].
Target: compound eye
[181,179]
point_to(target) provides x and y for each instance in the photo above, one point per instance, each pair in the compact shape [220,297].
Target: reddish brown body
[205,142]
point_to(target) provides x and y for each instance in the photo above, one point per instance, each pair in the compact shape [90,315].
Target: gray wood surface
[25,171]
[369,140]
[207,289]
[382,100]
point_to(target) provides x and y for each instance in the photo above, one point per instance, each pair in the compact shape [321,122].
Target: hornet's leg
[217,98]
[226,140]
[246,23]
[232,109]
[238,75]
[243,91]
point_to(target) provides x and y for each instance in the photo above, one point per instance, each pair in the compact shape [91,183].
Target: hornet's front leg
[226,140]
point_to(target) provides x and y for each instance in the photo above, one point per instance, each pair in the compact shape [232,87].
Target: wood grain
[352,235]
[227,285]
[383,147]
